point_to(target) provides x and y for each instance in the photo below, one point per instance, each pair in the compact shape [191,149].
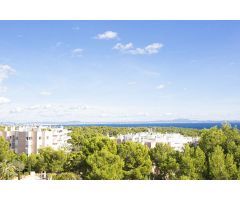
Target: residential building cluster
[175,140]
[29,139]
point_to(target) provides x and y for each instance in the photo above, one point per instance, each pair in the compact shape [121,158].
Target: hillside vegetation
[94,156]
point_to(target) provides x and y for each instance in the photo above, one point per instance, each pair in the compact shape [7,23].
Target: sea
[180,125]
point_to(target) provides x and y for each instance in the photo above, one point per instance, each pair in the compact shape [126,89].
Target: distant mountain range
[123,122]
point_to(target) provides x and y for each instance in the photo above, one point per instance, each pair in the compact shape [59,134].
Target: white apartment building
[29,139]
[175,140]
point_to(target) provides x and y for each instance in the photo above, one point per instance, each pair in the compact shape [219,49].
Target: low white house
[175,140]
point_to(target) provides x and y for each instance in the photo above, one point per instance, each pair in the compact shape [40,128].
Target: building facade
[29,139]
[150,139]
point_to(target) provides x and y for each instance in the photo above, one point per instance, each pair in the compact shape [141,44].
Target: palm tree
[7,170]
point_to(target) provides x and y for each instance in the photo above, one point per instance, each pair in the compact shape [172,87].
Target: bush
[65,176]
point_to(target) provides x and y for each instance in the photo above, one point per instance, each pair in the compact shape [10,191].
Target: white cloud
[77,52]
[108,35]
[47,106]
[129,48]
[16,110]
[5,71]
[137,51]
[45,93]
[162,86]
[34,107]
[123,47]
[153,48]
[4,100]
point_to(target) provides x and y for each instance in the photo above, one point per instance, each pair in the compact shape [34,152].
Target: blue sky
[119,70]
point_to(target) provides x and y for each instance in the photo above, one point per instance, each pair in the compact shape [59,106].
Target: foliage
[107,130]
[191,163]
[165,163]
[65,176]
[95,155]
[19,167]
[183,131]
[104,165]
[137,162]
[115,131]
[194,162]
[85,144]
[210,138]
[2,128]
[5,153]
[217,165]
[51,160]
[7,170]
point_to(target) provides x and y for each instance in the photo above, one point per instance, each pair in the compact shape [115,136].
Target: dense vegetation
[94,156]
[184,131]
[115,131]
[107,130]
[2,128]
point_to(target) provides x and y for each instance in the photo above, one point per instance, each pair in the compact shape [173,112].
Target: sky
[107,71]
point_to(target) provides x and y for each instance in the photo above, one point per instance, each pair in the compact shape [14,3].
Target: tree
[192,163]
[51,160]
[217,165]
[85,144]
[187,165]
[137,162]
[210,138]
[232,138]
[231,167]
[5,152]
[163,157]
[90,142]
[200,163]
[19,167]
[237,156]
[75,162]
[7,170]
[24,159]
[31,163]
[40,164]
[104,165]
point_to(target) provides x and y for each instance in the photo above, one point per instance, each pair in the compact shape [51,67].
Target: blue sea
[181,125]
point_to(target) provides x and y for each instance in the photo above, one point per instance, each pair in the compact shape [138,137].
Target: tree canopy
[96,155]
[137,162]
[164,158]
